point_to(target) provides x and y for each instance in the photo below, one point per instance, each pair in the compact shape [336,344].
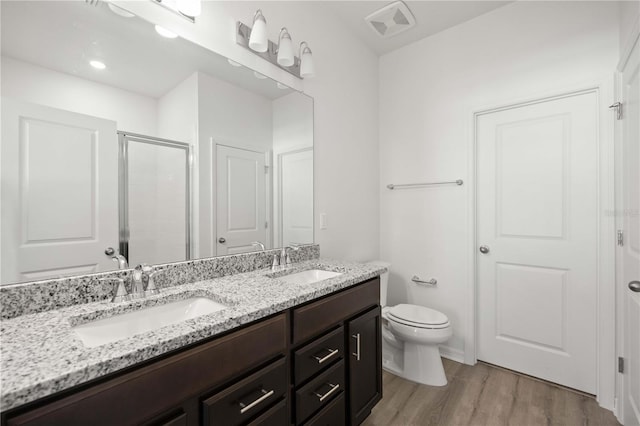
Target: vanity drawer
[314,318]
[333,414]
[242,401]
[318,355]
[319,392]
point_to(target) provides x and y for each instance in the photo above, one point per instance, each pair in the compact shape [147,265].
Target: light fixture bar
[243,32]
[174,10]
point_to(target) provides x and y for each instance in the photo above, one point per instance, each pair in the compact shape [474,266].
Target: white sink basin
[309,277]
[121,326]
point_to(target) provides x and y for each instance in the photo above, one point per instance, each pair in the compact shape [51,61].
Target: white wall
[629,23]
[345,93]
[428,92]
[292,122]
[133,112]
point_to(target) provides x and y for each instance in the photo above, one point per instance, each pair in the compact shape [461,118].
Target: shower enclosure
[154,199]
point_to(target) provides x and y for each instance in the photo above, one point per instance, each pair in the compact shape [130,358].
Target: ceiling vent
[392,19]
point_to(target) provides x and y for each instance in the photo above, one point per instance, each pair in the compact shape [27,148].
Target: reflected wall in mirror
[169,153]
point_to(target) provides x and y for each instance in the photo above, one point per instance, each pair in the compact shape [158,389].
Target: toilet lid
[418,315]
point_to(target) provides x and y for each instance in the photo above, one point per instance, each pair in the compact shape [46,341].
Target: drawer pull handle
[326,395]
[332,352]
[244,407]
[357,352]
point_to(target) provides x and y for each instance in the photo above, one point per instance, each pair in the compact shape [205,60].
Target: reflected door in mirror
[241,204]
[59,192]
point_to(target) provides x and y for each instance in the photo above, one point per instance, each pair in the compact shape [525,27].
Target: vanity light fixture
[97,64]
[258,39]
[165,32]
[281,54]
[191,8]
[307,68]
[285,49]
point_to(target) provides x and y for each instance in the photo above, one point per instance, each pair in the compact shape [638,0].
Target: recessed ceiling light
[258,75]
[97,65]
[120,11]
[165,32]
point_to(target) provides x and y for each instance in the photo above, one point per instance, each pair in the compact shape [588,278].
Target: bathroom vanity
[314,357]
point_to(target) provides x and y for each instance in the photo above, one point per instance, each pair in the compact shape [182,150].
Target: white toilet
[410,338]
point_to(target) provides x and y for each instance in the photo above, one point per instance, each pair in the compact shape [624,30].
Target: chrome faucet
[258,243]
[285,259]
[137,280]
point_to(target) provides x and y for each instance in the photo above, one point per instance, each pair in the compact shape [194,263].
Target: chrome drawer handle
[326,395]
[244,407]
[357,352]
[332,352]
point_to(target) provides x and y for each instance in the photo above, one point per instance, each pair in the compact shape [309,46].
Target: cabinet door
[364,365]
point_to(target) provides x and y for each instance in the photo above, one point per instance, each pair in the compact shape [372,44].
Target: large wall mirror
[160,151]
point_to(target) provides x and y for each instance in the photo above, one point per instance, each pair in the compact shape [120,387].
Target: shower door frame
[123,189]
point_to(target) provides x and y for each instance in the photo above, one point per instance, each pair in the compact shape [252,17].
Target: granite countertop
[41,355]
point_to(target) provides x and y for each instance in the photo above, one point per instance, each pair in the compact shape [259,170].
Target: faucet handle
[151,284]
[120,293]
[276,262]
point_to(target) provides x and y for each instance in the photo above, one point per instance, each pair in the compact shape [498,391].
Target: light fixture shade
[258,39]
[285,49]
[307,68]
[191,8]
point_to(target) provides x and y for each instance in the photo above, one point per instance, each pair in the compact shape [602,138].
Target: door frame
[605,296]
[625,56]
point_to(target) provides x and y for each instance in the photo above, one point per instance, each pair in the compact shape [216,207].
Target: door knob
[221,240]
[634,286]
[109,251]
[484,249]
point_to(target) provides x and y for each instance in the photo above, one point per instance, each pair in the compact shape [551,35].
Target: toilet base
[428,372]
[425,364]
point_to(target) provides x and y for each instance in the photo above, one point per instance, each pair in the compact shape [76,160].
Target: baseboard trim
[452,353]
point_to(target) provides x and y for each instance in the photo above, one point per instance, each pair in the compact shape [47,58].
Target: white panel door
[296,196]
[537,218]
[630,251]
[241,200]
[59,192]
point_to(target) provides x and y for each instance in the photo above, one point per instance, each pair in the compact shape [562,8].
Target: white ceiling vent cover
[392,19]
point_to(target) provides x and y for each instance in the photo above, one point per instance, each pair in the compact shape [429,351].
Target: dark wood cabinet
[296,367]
[364,364]
[345,334]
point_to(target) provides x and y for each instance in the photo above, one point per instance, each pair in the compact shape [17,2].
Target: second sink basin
[118,327]
[308,277]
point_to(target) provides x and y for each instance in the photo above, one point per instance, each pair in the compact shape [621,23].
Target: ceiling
[65,35]
[431,18]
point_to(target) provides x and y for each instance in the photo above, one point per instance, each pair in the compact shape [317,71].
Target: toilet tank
[384,280]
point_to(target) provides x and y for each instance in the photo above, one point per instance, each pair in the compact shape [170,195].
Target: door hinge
[620,365]
[266,169]
[620,237]
[266,225]
[618,108]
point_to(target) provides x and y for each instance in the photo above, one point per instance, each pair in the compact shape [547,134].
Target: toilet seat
[417,316]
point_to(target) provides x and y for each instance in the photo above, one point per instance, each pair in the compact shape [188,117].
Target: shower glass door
[154,199]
